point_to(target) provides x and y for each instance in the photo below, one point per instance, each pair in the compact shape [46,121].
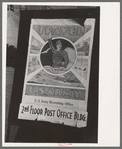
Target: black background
[34,131]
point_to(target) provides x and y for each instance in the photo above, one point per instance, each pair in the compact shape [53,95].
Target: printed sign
[57,71]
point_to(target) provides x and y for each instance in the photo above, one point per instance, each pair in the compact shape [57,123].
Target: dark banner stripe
[57,92]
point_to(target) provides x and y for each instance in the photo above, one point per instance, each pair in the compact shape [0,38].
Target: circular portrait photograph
[58,55]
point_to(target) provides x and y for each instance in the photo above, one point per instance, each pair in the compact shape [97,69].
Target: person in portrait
[60,57]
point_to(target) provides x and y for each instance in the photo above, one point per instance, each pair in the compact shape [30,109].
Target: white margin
[109,92]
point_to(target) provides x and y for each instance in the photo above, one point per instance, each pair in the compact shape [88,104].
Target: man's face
[58,45]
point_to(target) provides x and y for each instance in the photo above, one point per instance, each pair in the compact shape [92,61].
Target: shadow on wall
[10,55]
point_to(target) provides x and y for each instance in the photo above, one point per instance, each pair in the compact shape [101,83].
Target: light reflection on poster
[57,71]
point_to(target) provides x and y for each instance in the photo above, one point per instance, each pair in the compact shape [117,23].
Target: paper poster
[57,71]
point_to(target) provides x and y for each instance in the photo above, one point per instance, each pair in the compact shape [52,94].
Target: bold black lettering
[22,109]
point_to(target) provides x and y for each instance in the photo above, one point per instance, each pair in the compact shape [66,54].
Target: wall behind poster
[21,72]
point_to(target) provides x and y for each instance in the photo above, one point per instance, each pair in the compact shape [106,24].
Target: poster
[57,71]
